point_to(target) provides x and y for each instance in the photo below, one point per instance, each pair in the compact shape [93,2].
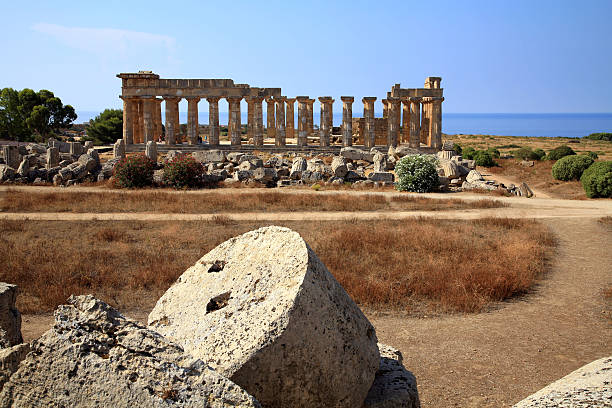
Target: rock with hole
[263,310]
[95,357]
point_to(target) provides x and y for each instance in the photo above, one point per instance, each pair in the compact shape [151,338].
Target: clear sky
[494,56]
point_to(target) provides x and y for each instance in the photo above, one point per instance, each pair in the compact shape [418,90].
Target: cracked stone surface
[264,311]
[95,357]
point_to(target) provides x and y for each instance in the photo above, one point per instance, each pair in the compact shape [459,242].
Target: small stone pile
[60,163]
[258,321]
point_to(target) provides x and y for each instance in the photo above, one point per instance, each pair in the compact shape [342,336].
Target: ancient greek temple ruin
[411,116]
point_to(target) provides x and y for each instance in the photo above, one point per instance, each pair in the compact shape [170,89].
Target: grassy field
[211,202]
[417,266]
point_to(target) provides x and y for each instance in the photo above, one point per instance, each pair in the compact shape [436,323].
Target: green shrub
[494,152]
[468,153]
[592,155]
[525,153]
[571,167]
[597,180]
[600,136]
[509,146]
[133,172]
[559,152]
[183,171]
[417,173]
[540,153]
[457,149]
[484,158]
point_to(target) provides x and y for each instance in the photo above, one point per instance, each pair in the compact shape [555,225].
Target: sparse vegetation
[571,167]
[409,266]
[214,202]
[484,158]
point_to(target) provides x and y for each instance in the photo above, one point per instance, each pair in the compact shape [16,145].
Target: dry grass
[215,202]
[606,221]
[416,266]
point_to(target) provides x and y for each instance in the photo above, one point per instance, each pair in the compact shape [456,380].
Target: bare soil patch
[416,266]
[213,202]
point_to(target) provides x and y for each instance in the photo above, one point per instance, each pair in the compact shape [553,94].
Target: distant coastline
[501,124]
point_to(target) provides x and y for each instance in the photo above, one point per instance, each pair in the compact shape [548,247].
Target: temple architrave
[411,116]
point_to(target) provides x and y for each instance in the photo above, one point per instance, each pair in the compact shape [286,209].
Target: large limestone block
[95,357]
[10,318]
[394,386]
[338,166]
[209,156]
[9,360]
[151,151]
[263,310]
[589,386]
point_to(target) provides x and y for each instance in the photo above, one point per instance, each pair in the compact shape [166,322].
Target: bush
[494,152]
[484,158]
[597,180]
[600,136]
[540,153]
[468,153]
[559,152]
[509,146]
[134,172]
[417,173]
[592,155]
[183,171]
[457,149]
[571,167]
[525,153]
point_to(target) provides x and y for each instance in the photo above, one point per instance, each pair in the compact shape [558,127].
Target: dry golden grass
[215,202]
[415,265]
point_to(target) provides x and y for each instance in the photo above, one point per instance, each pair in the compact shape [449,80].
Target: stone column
[290,118]
[270,120]
[138,121]
[172,120]
[405,133]
[158,119]
[425,105]
[149,125]
[324,129]
[394,106]
[302,139]
[128,124]
[193,123]
[213,120]
[257,119]
[435,125]
[280,121]
[347,120]
[53,157]
[369,137]
[385,104]
[250,119]
[235,128]
[310,116]
[414,140]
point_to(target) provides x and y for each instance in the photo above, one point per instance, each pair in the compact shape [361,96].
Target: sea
[500,124]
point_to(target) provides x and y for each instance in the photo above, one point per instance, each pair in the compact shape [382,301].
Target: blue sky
[494,56]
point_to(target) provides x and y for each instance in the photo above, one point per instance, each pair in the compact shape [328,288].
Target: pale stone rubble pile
[258,321]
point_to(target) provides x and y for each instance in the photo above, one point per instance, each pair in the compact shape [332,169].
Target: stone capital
[310,101]
[325,99]
[291,100]
[172,99]
[213,99]
[415,99]
[233,99]
[302,98]
[193,99]
[348,99]
[368,99]
[281,99]
[270,99]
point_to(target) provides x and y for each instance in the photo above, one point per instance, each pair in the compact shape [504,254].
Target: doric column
[290,118]
[414,140]
[369,137]
[405,128]
[270,119]
[193,125]
[435,125]
[280,121]
[425,114]
[157,118]
[385,104]
[148,120]
[172,120]
[302,139]
[235,128]
[128,123]
[347,120]
[310,116]
[139,122]
[324,129]
[394,106]
[213,120]
[254,103]
[250,119]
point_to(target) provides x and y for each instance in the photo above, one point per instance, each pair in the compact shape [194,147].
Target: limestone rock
[380,162]
[394,386]
[402,151]
[88,161]
[338,166]
[76,148]
[525,190]
[95,357]
[6,173]
[474,176]
[94,154]
[119,149]
[24,167]
[9,360]
[10,318]
[151,151]
[589,386]
[52,157]
[263,310]
[209,156]
[450,169]
[381,177]
[265,175]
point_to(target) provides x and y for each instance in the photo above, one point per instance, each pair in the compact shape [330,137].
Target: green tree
[106,128]
[12,121]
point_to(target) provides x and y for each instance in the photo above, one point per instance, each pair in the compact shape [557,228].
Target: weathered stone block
[209,156]
[10,358]
[381,177]
[119,149]
[12,158]
[262,309]
[151,151]
[93,356]
[10,318]
[338,166]
[52,157]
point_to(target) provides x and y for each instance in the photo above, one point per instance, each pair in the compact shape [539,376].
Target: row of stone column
[142,120]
